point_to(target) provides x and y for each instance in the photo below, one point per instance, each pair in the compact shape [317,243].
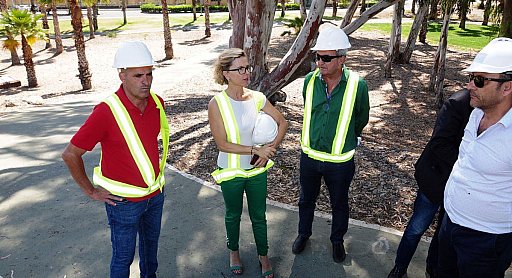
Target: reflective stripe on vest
[137,151]
[233,136]
[347,106]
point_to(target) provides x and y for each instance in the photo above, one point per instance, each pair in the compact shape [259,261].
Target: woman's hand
[265,152]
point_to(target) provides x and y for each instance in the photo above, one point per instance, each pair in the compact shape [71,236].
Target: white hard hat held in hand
[495,57]
[133,54]
[265,129]
[331,38]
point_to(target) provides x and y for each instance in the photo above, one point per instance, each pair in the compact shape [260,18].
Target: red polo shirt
[117,162]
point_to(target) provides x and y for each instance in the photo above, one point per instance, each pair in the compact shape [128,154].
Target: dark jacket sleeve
[437,159]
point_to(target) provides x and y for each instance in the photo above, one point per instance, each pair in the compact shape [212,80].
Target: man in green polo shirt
[336,109]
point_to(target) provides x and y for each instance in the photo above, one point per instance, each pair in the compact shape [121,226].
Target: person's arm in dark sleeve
[449,129]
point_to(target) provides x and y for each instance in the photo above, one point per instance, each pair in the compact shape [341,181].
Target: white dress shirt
[478,194]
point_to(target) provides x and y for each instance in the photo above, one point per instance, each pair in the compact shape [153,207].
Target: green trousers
[255,189]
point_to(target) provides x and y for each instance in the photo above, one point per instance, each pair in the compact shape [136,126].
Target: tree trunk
[91,22]
[27,61]
[395,39]
[169,52]
[207,30]
[95,15]
[237,10]
[438,71]
[297,54]
[351,10]
[83,65]
[123,8]
[194,9]
[363,7]
[405,56]
[413,7]
[334,8]
[283,7]
[372,11]
[260,18]
[44,13]
[487,12]
[303,13]
[424,29]
[464,8]
[433,10]
[3,5]
[506,21]
[15,59]
[56,29]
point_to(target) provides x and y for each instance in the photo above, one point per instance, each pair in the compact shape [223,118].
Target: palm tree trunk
[169,52]
[83,65]
[194,9]
[56,29]
[44,13]
[29,64]
[207,30]
[91,22]
[95,16]
[3,5]
[15,59]
[123,8]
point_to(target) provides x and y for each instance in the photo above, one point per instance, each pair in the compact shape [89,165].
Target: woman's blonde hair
[223,63]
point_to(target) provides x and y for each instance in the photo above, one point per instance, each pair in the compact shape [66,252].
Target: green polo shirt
[325,113]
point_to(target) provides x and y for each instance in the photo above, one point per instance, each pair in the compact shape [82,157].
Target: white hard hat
[133,54]
[495,57]
[331,38]
[265,129]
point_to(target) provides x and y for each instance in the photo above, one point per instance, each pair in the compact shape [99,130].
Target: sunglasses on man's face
[480,80]
[326,58]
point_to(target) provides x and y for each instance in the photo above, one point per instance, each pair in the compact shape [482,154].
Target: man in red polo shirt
[129,179]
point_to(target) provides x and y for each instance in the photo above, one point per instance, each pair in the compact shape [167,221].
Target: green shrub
[289,6]
[152,8]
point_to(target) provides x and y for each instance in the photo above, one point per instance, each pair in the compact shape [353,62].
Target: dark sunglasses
[326,58]
[242,70]
[480,80]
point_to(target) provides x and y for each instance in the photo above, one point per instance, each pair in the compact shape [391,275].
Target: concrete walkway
[50,229]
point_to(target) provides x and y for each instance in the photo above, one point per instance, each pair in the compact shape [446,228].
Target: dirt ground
[402,112]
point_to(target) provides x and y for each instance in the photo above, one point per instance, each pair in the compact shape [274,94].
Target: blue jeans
[464,252]
[337,177]
[423,215]
[126,219]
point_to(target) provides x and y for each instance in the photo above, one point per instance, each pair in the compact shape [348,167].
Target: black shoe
[397,272]
[338,252]
[299,244]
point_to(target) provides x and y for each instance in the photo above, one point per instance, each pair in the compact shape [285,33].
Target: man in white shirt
[475,239]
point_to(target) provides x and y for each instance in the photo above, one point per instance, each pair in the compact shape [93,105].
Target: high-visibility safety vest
[347,106]
[233,136]
[137,151]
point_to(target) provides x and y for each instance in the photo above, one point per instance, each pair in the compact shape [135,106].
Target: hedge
[152,8]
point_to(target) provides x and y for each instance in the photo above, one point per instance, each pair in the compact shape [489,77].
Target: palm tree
[169,52]
[89,4]
[83,66]
[24,24]
[43,8]
[11,44]
[59,47]
[3,5]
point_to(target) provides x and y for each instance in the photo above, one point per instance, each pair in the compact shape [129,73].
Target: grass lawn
[474,37]
[154,22]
